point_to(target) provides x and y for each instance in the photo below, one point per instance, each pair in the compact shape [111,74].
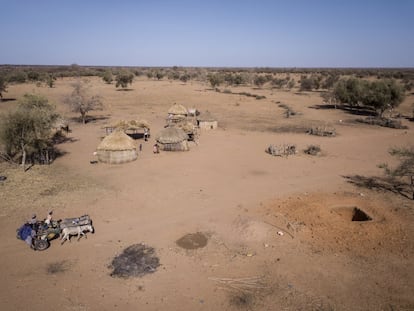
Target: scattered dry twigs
[248,284]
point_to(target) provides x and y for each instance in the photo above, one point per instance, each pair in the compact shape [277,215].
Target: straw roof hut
[173,139]
[178,109]
[134,126]
[188,127]
[207,121]
[177,113]
[117,148]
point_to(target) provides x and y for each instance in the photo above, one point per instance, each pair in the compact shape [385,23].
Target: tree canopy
[81,101]
[28,129]
[123,79]
[378,95]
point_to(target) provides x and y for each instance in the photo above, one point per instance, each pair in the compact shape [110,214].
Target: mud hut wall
[207,125]
[181,146]
[118,156]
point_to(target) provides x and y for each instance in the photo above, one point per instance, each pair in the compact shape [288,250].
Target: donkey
[76,230]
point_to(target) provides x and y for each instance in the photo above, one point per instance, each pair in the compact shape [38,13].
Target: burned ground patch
[135,261]
[57,267]
[193,241]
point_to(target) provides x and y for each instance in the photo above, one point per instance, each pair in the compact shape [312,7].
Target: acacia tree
[123,79]
[107,76]
[28,129]
[81,101]
[405,167]
[378,95]
[350,91]
[215,79]
[382,95]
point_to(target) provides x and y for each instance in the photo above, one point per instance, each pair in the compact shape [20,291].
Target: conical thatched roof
[131,125]
[187,127]
[178,109]
[206,116]
[136,124]
[122,124]
[171,135]
[116,141]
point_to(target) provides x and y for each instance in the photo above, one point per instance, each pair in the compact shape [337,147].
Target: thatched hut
[134,128]
[173,139]
[177,113]
[117,148]
[189,128]
[207,121]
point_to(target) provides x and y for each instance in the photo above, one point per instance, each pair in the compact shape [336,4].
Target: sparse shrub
[215,80]
[310,83]
[107,76]
[405,167]
[50,80]
[159,74]
[291,84]
[17,77]
[184,77]
[384,122]
[3,86]
[173,75]
[260,80]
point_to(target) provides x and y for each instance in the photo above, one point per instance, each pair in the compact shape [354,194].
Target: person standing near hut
[146,134]
[140,147]
[156,149]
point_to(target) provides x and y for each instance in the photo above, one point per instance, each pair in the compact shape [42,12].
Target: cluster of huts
[181,126]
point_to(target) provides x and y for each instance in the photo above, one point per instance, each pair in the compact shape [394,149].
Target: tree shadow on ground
[359,111]
[61,139]
[385,184]
[4,100]
[124,90]
[89,119]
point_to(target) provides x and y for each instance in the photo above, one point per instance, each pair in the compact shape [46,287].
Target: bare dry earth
[227,188]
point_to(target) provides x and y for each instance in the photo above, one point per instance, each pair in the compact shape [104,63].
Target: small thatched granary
[207,121]
[173,139]
[117,148]
[177,113]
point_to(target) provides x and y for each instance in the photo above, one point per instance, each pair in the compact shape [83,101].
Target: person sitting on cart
[48,221]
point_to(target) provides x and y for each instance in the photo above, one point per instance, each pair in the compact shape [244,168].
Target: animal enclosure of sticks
[281,150]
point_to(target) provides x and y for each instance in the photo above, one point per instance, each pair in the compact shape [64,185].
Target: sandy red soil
[226,187]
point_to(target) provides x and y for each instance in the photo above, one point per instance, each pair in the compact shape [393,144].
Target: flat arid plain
[279,230]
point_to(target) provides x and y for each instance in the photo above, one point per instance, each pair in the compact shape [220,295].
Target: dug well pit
[352,213]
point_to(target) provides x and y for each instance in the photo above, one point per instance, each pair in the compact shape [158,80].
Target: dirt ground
[279,230]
